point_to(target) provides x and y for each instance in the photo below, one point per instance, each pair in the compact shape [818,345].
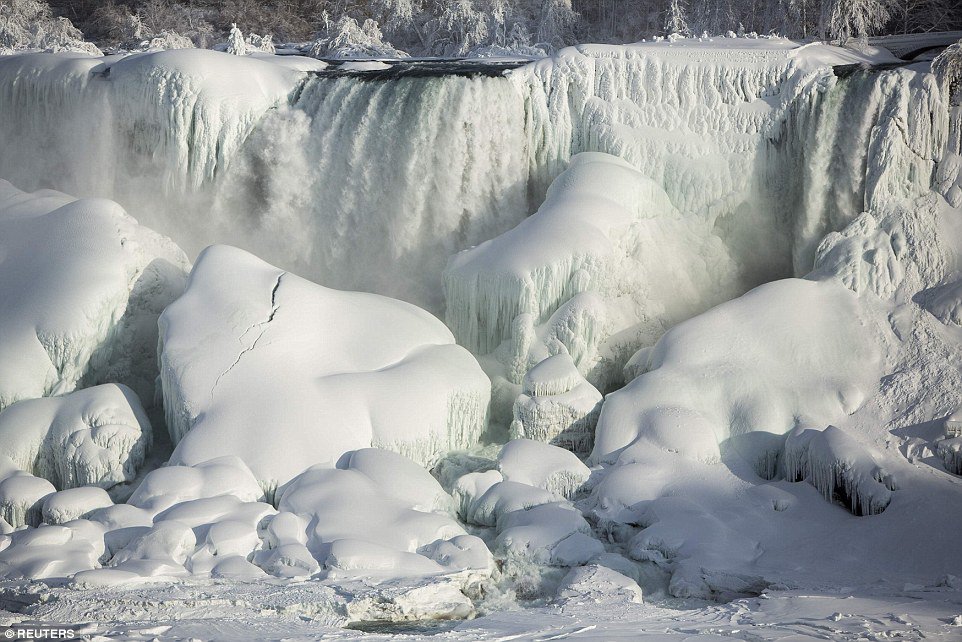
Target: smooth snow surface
[335,371]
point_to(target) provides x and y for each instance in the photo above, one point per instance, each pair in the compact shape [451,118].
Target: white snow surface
[335,371]
[82,284]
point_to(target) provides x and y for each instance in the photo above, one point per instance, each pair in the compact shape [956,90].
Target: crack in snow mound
[336,371]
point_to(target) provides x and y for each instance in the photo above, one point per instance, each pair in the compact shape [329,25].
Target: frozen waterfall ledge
[285,374]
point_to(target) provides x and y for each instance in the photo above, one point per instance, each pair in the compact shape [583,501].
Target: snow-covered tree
[30,24]
[558,19]
[347,39]
[235,42]
[844,19]
[676,22]
[947,67]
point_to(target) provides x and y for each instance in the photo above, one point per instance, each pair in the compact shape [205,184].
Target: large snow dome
[639,338]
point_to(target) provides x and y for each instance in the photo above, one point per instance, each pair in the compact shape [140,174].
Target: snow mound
[556,470]
[74,503]
[97,436]
[595,245]
[788,352]
[52,551]
[596,582]
[82,284]
[557,405]
[840,468]
[165,487]
[361,525]
[330,379]
[21,499]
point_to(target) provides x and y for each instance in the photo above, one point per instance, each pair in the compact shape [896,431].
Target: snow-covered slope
[82,284]
[334,371]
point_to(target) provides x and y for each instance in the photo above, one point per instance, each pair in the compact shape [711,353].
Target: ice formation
[331,380]
[789,352]
[82,285]
[556,470]
[557,405]
[681,175]
[93,437]
[838,467]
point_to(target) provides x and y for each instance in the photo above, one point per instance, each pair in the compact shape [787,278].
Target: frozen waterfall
[372,182]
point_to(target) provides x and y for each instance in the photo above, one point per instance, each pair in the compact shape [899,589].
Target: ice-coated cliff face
[333,371]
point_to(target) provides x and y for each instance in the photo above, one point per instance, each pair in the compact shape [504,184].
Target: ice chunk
[21,499]
[787,352]
[74,503]
[96,436]
[82,284]
[557,406]
[950,450]
[840,468]
[556,470]
[864,256]
[329,378]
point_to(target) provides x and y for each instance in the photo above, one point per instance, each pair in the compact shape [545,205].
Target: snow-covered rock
[788,352]
[21,499]
[556,470]
[97,436]
[359,527]
[74,503]
[336,371]
[82,284]
[557,405]
[52,551]
[170,485]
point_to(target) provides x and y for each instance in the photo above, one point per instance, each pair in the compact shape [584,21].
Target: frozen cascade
[750,148]
[354,183]
[368,183]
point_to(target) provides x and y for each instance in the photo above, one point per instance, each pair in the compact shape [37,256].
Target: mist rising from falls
[372,185]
